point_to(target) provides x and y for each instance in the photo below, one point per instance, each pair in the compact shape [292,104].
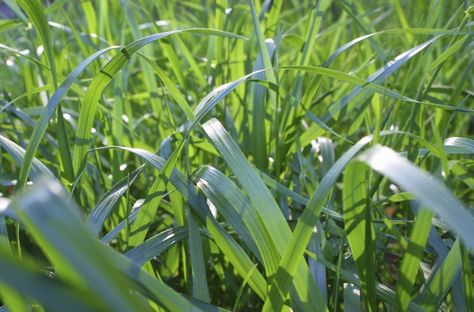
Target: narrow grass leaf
[268,210]
[413,256]
[430,192]
[359,230]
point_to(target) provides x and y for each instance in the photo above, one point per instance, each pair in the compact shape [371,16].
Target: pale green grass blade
[77,257]
[430,192]
[458,145]
[68,243]
[236,210]
[233,206]
[226,243]
[38,169]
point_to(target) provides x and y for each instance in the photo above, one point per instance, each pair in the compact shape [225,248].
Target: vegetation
[311,155]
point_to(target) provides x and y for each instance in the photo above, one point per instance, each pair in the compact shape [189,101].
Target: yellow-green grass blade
[103,78]
[359,230]
[413,256]
[48,111]
[441,280]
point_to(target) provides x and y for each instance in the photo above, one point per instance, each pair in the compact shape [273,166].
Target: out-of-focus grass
[236,155]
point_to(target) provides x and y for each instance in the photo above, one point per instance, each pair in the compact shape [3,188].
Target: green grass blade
[198,267]
[50,216]
[106,204]
[52,294]
[268,210]
[296,247]
[154,246]
[441,280]
[359,230]
[431,193]
[42,123]
[236,210]
[103,78]
[411,261]
[38,169]
[34,10]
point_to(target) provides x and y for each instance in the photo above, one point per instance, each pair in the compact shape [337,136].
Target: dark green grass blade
[106,204]
[441,280]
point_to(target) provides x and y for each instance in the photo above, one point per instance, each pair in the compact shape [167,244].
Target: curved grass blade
[295,248]
[77,257]
[42,123]
[38,169]
[457,145]
[81,258]
[260,197]
[103,78]
[430,192]
[154,246]
[105,206]
[236,210]
[236,255]
[34,10]
[52,294]
[172,89]
[370,85]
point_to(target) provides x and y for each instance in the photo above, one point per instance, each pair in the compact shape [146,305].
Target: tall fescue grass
[236,155]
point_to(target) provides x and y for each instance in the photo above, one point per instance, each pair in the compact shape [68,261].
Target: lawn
[236,155]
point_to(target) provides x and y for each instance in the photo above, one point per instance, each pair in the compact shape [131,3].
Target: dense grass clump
[214,155]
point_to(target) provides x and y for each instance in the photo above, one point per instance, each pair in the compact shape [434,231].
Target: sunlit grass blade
[103,78]
[441,280]
[430,192]
[414,254]
[267,208]
[42,123]
[359,230]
